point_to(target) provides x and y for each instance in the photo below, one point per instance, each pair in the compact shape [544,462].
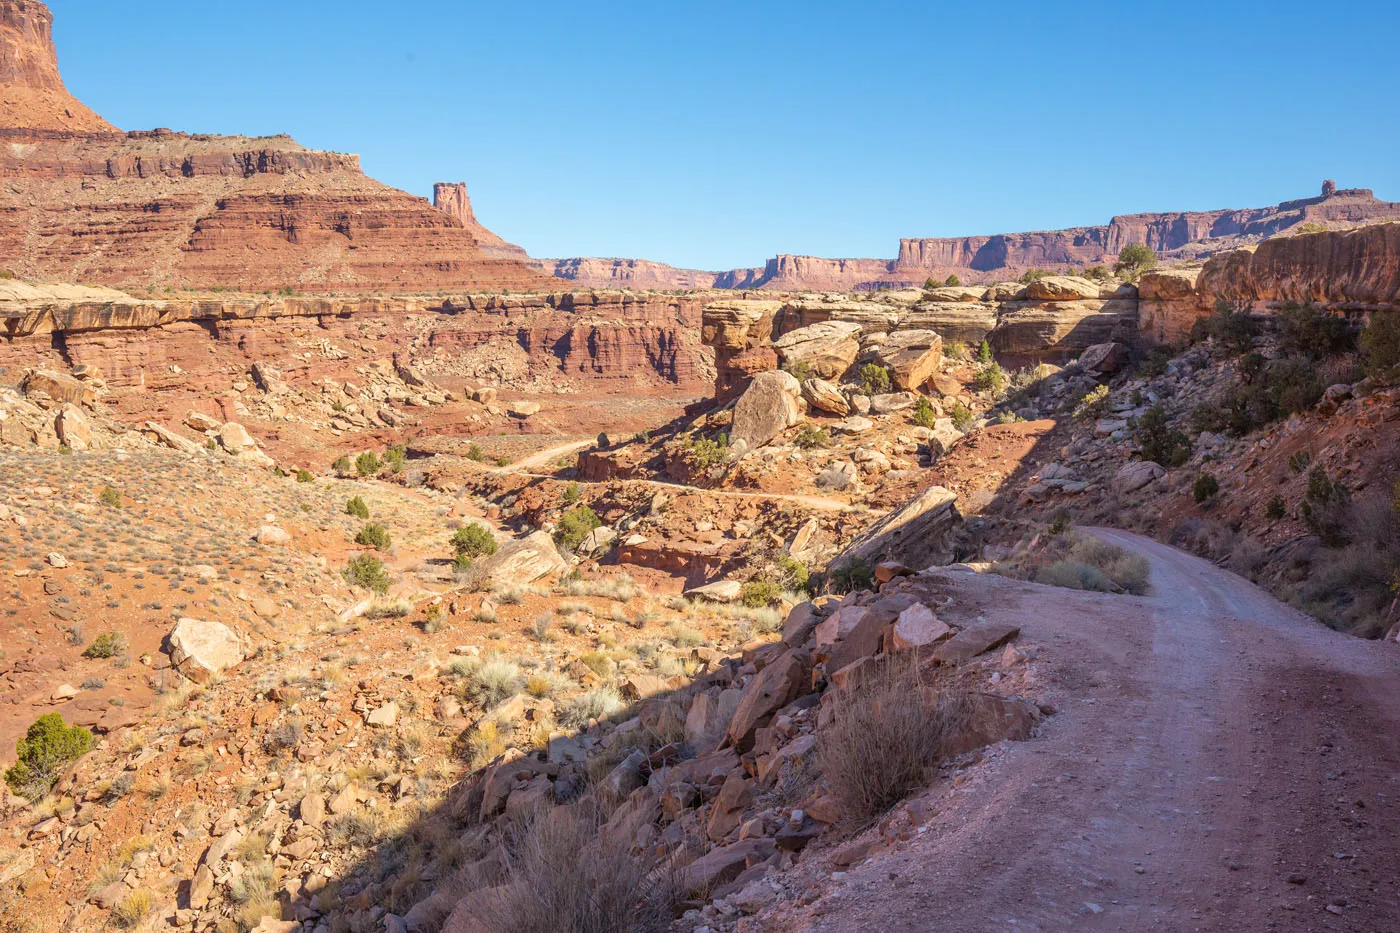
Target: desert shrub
[494,681]
[1205,488]
[1133,260]
[473,541]
[366,571]
[1299,461]
[106,645]
[954,349]
[800,370]
[1380,348]
[758,593]
[374,535]
[574,526]
[855,574]
[952,281]
[812,437]
[367,464]
[1033,274]
[356,506]
[984,351]
[930,283]
[48,747]
[789,573]
[1073,575]
[394,458]
[305,476]
[961,416]
[569,876]
[1306,332]
[596,704]
[1060,523]
[341,466]
[1234,329]
[132,910]
[1158,441]
[388,609]
[990,378]
[925,415]
[1154,362]
[1276,509]
[1325,509]
[702,452]
[1083,562]
[1093,404]
[874,379]
[110,496]
[571,493]
[884,738]
[474,452]
[1097,273]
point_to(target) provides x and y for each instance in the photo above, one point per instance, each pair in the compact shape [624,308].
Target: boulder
[892,402]
[73,428]
[199,421]
[272,535]
[916,627]
[597,542]
[721,591]
[1135,475]
[827,348]
[722,865]
[825,396]
[201,650]
[911,356]
[768,691]
[1062,288]
[523,409]
[734,796]
[385,716]
[915,534]
[1104,359]
[235,438]
[57,386]
[856,424]
[971,642]
[522,561]
[837,477]
[169,438]
[767,408]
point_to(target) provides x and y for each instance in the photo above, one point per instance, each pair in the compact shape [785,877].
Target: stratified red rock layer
[32,94]
[452,199]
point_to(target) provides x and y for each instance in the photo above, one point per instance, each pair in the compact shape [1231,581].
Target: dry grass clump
[885,738]
[564,877]
[494,681]
[133,909]
[595,704]
[1080,562]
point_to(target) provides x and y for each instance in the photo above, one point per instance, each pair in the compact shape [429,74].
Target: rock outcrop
[32,94]
[452,199]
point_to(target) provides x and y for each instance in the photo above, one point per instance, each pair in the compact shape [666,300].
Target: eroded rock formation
[32,94]
[452,199]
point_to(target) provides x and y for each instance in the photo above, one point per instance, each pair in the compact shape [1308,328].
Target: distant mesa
[82,201]
[1181,235]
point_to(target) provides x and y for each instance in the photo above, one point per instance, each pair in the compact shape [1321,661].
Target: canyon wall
[595,341]
[32,93]
[452,199]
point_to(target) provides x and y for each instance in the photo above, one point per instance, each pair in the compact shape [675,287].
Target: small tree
[110,497]
[925,415]
[1158,441]
[984,351]
[1380,345]
[367,571]
[575,525]
[874,378]
[47,748]
[305,476]
[394,458]
[367,464]
[929,283]
[356,506]
[952,281]
[990,379]
[375,536]
[1133,260]
[472,541]
[962,417]
[1205,489]
[341,466]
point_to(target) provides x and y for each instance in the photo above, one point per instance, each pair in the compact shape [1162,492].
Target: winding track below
[1211,743]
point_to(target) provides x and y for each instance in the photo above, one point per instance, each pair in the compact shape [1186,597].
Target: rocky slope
[82,202]
[1180,236]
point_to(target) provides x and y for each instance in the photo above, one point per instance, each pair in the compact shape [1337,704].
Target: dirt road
[1219,762]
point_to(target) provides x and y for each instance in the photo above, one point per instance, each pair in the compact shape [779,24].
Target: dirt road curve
[1219,763]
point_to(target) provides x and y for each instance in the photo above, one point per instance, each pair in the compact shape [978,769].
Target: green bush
[574,526]
[1034,274]
[758,593]
[46,750]
[1098,273]
[812,437]
[356,506]
[472,541]
[572,493]
[366,571]
[1205,488]
[304,476]
[394,458]
[341,466]
[990,378]
[1093,403]
[984,351]
[702,452]
[1380,346]
[1276,509]
[952,281]
[110,496]
[790,573]
[374,535]
[1234,329]
[474,452]
[930,283]
[1306,332]
[925,416]
[856,574]
[874,378]
[962,417]
[1158,441]
[800,370]
[954,349]
[1326,509]
[367,464]
[1133,260]
[106,645]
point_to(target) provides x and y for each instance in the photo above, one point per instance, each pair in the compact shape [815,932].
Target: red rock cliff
[32,94]
[451,198]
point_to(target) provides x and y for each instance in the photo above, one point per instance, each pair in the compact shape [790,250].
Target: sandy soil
[1219,763]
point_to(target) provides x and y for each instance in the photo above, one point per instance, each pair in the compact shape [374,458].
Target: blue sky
[717,134]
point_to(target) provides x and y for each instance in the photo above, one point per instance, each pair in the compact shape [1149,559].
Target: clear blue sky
[717,134]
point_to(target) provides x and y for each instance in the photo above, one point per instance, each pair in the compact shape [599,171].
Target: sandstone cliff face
[451,198]
[599,340]
[639,274]
[32,94]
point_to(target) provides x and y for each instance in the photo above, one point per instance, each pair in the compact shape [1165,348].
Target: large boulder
[911,356]
[202,650]
[1104,359]
[57,386]
[169,438]
[1062,288]
[523,561]
[827,348]
[1135,475]
[235,438]
[825,396]
[916,534]
[768,691]
[73,427]
[767,408]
